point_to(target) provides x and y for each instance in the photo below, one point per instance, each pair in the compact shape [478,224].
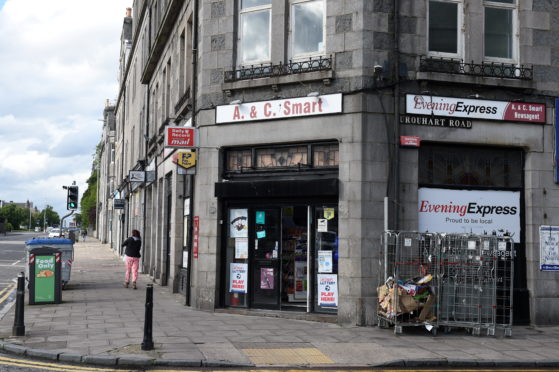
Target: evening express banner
[469,211]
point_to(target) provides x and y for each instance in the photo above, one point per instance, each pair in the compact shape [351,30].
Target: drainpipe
[396,158]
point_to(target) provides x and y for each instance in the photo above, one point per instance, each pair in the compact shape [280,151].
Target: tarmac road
[12,262]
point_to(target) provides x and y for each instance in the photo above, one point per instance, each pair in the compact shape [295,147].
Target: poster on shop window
[327,290]
[238,277]
[549,248]
[469,211]
[238,223]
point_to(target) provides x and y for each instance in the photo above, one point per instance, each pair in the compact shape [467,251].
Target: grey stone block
[392,363]
[217,42]
[46,354]
[177,363]
[135,361]
[103,360]
[344,23]
[344,60]
[70,357]
[15,349]
[218,9]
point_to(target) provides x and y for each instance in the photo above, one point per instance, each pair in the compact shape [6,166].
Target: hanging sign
[327,289]
[137,176]
[278,109]
[181,137]
[475,108]
[196,236]
[238,277]
[549,248]
[186,159]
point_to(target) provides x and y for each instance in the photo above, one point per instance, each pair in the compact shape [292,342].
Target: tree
[89,197]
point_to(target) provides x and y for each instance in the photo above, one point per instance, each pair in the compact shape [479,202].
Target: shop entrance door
[266,239]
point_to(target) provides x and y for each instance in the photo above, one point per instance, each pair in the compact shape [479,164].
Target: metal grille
[492,69]
[280,69]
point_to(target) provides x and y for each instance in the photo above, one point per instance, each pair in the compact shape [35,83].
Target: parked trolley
[408,297]
[469,279]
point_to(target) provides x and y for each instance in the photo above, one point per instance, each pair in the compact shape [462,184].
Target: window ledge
[275,81]
[474,80]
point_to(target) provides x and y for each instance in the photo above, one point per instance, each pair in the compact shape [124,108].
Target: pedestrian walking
[132,258]
[84,234]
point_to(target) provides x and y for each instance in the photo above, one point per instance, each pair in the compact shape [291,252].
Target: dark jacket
[133,246]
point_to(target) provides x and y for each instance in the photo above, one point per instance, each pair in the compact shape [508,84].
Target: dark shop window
[470,166]
[300,157]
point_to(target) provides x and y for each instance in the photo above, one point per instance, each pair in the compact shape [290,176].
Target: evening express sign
[475,108]
[279,109]
[469,211]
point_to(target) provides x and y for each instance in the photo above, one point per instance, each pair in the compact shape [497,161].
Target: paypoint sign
[469,211]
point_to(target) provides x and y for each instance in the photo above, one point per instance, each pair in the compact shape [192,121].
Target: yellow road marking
[54,366]
[8,291]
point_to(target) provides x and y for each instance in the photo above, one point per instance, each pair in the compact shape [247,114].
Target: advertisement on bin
[469,211]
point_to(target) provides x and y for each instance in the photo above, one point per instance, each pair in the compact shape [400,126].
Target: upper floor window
[445,27]
[307,28]
[255,31]
[499,29]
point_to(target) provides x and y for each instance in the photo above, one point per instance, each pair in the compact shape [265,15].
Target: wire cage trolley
[409,267]
[476,282]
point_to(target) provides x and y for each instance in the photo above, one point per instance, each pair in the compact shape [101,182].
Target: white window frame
[515,31]
[291,33]
[459,28]
[242,12]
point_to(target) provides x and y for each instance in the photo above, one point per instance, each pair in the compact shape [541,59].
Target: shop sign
[118,203]
[137,176]
[469,211]
[475,108]
[196,236]
[186,159]
[409,141]
[436,121]
[549,248]
[327,289]
[180,137]
[279,109]
[238,277]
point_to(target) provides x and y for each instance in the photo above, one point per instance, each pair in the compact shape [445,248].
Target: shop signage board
[137,176]
[181,137]
[549,248]
[279,109]
[196,236]
[475,108]
[238,277]
[327,289]
[469,211]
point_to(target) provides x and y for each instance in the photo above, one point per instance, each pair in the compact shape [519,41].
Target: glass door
[326,259]
[265,268]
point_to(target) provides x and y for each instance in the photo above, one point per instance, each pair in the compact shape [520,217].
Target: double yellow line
[6,292]
[53,366]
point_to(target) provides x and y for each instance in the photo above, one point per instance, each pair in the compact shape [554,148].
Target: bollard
[19,324]
[147,344]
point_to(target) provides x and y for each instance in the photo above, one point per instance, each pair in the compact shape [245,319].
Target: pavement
[100,322]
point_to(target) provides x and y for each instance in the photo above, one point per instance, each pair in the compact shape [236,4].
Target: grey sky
[59,62]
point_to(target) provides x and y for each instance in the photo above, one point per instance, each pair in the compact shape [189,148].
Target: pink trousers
[132,264]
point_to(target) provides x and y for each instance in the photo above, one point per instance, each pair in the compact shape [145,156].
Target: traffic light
[72,200]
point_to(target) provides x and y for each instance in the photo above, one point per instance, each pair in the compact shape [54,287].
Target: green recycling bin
[45,276]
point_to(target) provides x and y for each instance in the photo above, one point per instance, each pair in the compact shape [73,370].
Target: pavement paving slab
[101,322]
